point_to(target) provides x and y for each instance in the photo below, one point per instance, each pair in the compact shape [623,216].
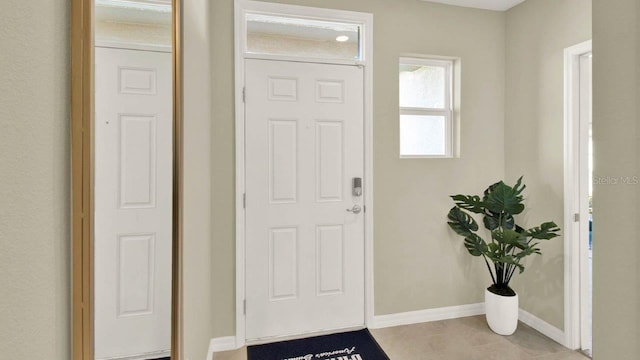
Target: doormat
[353,345]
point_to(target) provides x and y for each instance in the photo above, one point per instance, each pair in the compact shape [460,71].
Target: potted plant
[508,246]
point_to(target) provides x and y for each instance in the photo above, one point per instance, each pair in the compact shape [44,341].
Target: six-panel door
[133,203]
[304,249]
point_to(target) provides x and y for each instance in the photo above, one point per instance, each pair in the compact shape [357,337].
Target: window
[300,37]
[426,115]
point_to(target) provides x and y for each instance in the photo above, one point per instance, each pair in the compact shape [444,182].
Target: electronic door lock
[357,187]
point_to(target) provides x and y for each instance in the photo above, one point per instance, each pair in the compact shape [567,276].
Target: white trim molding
[226,343]
[451,139]
[365,20]
[542,327]
[133,46]
[145,356]
[428,315]
[571,193]
[145,5]
[455,312]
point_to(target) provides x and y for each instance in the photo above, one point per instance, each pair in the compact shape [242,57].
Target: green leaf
[546,231]
[519,187]
[510,237]
[526,252]
[491,221]
[461,222]
[470,203]
[502,198]
[508,222]
[475,245]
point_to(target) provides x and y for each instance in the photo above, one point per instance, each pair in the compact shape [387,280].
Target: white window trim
[244,7]
[447,111]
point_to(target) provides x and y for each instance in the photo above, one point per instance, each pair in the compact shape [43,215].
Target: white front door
[304,249]
[133,203]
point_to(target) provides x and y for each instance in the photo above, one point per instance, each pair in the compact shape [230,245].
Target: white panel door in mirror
[137,81]
[136,273]
[137,161]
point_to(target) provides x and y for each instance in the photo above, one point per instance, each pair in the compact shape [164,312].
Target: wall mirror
[126,149]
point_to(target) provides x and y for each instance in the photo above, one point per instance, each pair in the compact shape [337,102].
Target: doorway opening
[578,194]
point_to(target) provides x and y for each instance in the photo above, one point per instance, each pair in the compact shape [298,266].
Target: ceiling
[499,5]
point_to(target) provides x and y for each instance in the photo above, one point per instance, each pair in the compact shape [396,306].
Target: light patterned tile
[564,355]
[533,342]
[499,351]
[458,339]
[240,354]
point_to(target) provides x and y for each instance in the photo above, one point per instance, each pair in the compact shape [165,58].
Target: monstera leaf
[509,237]
[526,252]
[461,222]
[546,231]
[471,203]
[492,221]
[502,198]
[475,245]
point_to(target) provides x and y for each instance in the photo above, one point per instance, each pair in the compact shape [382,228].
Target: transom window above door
[426,108]
[279,35]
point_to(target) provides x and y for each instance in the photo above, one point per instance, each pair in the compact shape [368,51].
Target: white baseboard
[221,344]
[543,327]
[420,316]
[453,312]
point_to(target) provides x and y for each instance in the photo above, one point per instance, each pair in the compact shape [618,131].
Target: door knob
[356,209]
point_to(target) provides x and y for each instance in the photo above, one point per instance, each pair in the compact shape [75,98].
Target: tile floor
[459,339]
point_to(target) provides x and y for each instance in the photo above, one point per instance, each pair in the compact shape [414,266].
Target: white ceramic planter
[501,312]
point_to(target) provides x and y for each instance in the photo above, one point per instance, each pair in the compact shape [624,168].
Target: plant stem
[502,230]
[511,273]
[493,278]
[500,273]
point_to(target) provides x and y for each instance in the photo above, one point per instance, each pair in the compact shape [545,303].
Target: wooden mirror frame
[82,192]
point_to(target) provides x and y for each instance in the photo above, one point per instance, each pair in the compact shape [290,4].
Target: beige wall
[34,180]
[538,31]
[198,298]
[412,241]
[616,120]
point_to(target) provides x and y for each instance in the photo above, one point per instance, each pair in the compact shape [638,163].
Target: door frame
[82,180]
[573,251]
[243,7]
